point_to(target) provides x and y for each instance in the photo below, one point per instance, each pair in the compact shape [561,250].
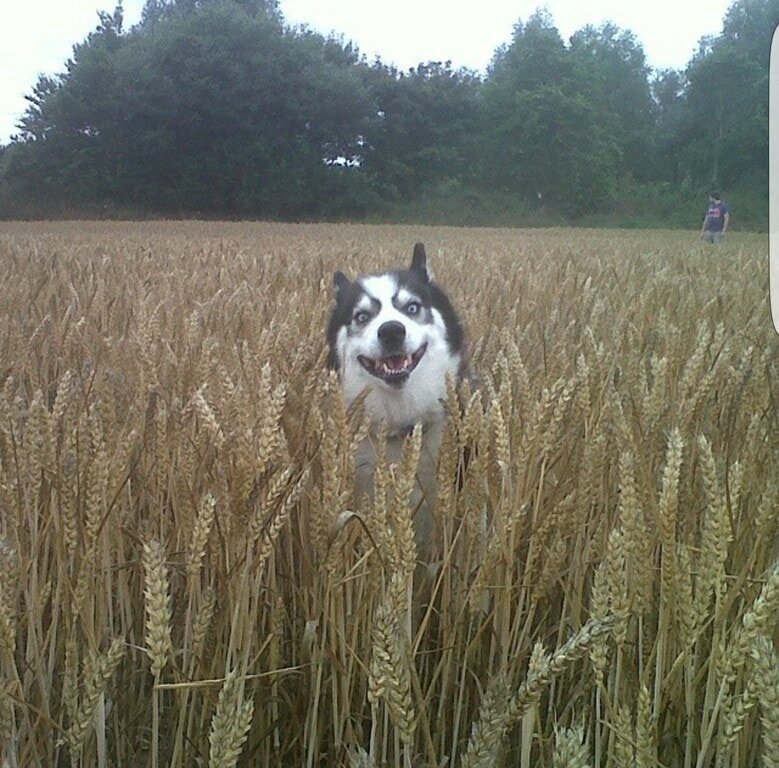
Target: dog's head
[392,330]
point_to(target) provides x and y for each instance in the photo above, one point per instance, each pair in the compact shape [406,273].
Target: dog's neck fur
[403,432]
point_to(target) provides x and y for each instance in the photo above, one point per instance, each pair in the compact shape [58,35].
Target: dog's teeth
[392,366]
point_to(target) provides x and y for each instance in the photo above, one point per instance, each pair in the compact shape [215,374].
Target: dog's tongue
[396,362]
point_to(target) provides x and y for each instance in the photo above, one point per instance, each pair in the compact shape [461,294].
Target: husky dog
[397,335]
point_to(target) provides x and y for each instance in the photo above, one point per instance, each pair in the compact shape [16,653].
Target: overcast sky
[37,36]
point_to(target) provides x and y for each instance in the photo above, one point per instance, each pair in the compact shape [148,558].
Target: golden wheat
[603,585]
[158,610]
[570,749]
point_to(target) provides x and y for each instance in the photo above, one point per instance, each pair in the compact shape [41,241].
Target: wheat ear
[767,663]
[755,621]
[98,670]
[8,574]
[197,544]
[230,724]
[158,610]
[570,749]
[389,677]
[485,742]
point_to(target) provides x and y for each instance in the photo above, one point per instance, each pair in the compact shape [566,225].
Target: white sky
[37,36]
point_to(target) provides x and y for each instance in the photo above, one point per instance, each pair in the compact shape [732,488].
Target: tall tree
[216,107]
[209,108]
[668,86]
[751,24]
[63,148]
[424,128]
[612,70]
[725,128]
[543,140]
[155,11]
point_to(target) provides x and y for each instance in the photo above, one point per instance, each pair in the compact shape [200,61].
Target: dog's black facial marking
[455,332]
[414,296]
[432,297]
[413,284]
[364,311]
[347,296]
[414,306]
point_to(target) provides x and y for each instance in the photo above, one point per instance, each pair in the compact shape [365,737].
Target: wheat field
[186,578]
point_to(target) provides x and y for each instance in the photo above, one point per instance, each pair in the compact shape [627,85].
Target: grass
[186,578]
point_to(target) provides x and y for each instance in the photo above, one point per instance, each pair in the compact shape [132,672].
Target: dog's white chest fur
[426,487]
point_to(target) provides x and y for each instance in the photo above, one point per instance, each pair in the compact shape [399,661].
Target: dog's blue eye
[361,318]
[413,308]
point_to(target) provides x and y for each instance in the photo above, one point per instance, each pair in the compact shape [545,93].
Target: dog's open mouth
[394,369]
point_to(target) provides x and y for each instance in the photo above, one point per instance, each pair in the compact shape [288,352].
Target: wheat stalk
[759,618]
[146,372]
[541,671]
[8,620]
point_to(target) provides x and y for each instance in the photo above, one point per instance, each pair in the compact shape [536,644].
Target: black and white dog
[397,335]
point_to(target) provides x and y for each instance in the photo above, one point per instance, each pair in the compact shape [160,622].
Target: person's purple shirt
[715,217]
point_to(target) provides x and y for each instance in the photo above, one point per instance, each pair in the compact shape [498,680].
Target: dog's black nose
[392,333]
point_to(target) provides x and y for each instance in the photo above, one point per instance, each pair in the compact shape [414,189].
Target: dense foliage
[218,108]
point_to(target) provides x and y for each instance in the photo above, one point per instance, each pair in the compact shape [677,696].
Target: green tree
[209,108]
[726,117]
[668,87]
[751,24]
[543,140]
[216,107]
[423,130]
[724,131]
[612,70]
[155,11]
[62,148]
[243,116]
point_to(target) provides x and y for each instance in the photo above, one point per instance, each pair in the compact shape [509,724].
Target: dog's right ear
[419,262]
[341,282]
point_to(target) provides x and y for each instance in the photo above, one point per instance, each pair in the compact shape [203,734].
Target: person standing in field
[715,222]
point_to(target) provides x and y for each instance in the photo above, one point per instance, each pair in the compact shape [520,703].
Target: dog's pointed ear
[419,262]
[341,282]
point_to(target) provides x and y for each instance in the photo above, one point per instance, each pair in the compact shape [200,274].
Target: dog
[397,335]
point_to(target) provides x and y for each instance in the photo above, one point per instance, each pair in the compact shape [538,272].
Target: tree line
[218,108]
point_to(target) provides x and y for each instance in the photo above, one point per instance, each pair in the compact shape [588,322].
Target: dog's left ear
[341,282]
[419,262]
